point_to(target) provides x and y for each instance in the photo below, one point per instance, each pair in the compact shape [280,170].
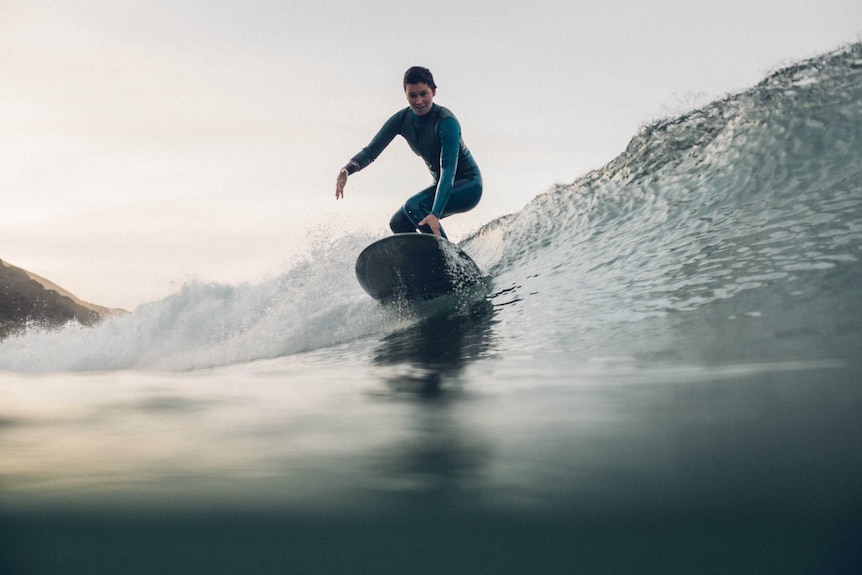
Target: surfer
[434,134]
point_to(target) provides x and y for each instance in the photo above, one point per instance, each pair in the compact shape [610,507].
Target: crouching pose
[433,133]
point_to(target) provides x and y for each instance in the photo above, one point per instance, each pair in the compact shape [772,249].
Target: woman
[433,133]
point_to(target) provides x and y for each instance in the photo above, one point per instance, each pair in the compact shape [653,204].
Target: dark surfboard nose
[414,267]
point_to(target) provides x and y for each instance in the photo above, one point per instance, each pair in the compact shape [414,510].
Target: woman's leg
[401,224]
[417,207]
[465,195]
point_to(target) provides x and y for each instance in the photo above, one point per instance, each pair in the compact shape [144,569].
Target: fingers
[432,222]
[340,183]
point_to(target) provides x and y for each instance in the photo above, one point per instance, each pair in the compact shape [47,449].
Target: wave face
[754,198]
[758,193]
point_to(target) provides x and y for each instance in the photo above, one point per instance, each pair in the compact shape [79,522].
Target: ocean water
[665,377]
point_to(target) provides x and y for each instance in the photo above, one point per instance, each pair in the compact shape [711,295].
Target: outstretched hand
[432,222]
[340,182]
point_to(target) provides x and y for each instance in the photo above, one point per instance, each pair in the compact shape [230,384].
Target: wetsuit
[436,137]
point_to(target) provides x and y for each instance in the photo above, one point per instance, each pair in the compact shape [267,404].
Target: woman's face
[420,97]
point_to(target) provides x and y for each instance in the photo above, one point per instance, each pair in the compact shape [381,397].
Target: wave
[315,304]
[748,190]
[755,190]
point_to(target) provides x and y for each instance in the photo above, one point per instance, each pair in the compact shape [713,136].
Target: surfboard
[414,267]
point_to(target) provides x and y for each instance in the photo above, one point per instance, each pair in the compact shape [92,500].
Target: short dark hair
[417,75]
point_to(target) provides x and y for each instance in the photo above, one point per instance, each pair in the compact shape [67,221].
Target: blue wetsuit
[436,137]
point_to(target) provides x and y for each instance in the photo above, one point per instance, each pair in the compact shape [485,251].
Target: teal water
[664,378]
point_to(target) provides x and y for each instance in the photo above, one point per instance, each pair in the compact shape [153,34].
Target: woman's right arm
[369,153]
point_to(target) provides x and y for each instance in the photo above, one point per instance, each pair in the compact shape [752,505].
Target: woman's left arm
[450,145]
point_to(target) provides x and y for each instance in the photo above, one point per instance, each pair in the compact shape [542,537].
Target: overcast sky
[144,144]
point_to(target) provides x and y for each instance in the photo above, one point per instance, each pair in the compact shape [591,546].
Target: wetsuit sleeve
[369,153]
[450,144]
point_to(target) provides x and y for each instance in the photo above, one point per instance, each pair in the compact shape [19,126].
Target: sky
[146,144]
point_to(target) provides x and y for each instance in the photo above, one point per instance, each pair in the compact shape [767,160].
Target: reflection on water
[434,352]
[435,453]
[609,468]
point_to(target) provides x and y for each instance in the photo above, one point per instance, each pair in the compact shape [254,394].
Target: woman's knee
[419,206]
[464,197]
[400,223]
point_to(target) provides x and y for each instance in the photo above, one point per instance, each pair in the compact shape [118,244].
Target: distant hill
[28,299]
